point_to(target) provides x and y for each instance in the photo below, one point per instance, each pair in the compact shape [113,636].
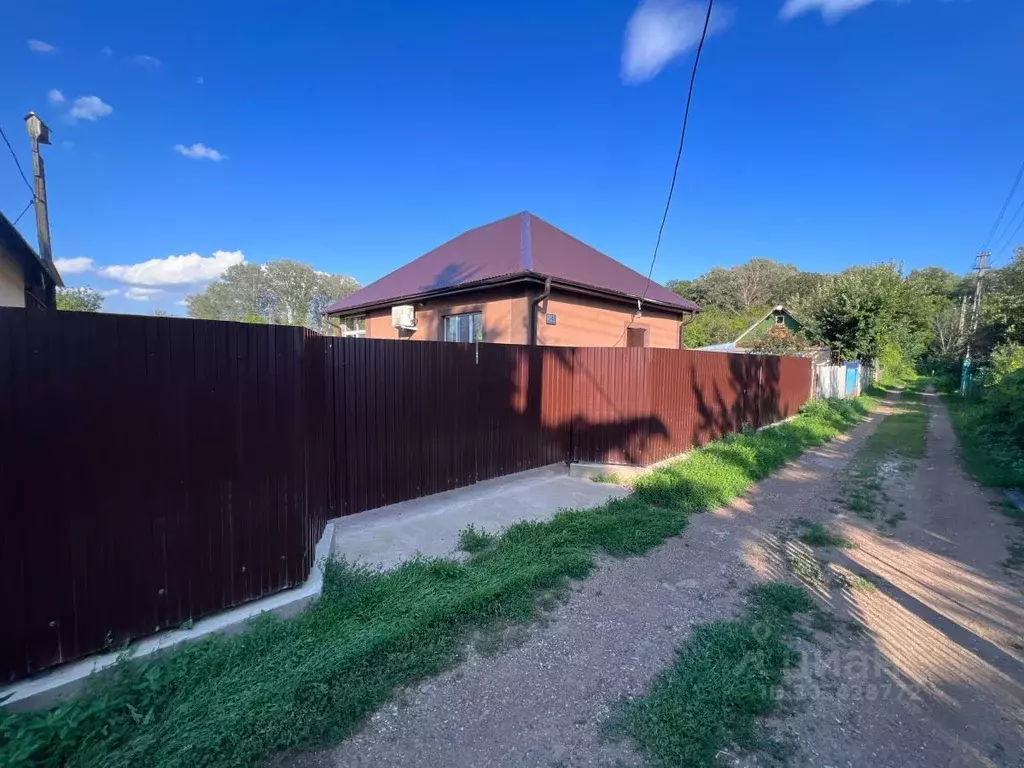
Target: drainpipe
[534,304]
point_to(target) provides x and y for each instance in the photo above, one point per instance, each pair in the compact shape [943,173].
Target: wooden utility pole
[40,134]
[980,265]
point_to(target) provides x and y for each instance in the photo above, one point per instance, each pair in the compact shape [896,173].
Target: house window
[780,319]
[354,327]
[466,327]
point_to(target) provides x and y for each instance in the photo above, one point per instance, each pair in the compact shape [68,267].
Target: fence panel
[154,471]
[642,406]
[157,470]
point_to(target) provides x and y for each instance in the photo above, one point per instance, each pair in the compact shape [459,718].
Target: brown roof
[520,246]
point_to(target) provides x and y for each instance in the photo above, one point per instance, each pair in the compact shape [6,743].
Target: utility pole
[40,134]
[980,265]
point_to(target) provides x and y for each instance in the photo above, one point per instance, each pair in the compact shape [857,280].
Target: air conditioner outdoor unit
[404,317]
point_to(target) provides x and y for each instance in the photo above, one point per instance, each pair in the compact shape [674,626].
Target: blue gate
[852,378]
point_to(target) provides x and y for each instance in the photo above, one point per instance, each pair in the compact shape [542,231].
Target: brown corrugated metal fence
[156,470]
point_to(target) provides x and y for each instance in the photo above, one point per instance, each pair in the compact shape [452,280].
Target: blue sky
[357,136]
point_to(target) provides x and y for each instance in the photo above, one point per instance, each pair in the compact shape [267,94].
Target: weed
[723,679]
[818,535]
[859,584]
[1015,559]
[472,539]
[612,478]
[229,701]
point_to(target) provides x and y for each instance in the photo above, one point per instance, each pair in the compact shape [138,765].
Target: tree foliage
[868,312]
[284,292]
[79,299]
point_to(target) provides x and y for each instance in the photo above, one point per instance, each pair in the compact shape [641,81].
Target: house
[25,278]
[778,330]
[518,280]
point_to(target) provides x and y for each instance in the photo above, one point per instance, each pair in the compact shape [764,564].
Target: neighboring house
[518,280]
[25,279]
[779,321]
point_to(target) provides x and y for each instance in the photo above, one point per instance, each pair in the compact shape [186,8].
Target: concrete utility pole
[980,265]
[40,134]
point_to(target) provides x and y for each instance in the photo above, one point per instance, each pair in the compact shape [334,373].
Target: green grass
[473,540]
[724,678]
[990,459]
[313,679]
[818,535]
[723,470]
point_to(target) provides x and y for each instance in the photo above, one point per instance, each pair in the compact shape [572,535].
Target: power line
[17,162]
[1006,203]
[1009,240]
[682,139]
[29,205]
[675,168]
[1005,240]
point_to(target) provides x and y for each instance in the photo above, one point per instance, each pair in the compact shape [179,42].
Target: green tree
[79,299]
[285,292]
[872,313]
[718,326]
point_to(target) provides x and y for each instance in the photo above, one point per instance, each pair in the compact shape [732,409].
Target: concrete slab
[430,526]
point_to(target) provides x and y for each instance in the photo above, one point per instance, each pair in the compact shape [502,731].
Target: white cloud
[73,266]
[181,303]
[200,80]
[41,47]
[55,96]
[106,50]
[660,30]
[146,61]
[89,108]
[830,10]
[199,152]
[109,292]
[141,294]
[186,269]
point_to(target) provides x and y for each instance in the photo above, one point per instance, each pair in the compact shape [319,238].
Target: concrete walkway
[430,526]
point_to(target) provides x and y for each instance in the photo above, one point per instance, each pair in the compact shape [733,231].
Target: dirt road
[938,677]
[933,678]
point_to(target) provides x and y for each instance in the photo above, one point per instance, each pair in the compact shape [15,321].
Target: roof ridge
[525,241]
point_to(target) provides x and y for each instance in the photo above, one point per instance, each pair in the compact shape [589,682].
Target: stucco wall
[580,321]
[583,321]
[12,283]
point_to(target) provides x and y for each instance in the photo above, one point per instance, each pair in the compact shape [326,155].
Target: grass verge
[230,701]
[991,459]
[724,678]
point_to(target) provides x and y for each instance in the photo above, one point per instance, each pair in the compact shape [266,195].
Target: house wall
[12,282]
[583,321]
[505,311]
[762,328]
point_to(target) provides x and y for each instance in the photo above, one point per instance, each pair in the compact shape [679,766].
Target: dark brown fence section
[639,406]
[415,419]
[157,470]
[152,471]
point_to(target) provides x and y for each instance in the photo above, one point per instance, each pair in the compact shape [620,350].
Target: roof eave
[528,277]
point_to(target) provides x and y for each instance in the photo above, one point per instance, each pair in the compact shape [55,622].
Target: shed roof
[14,243]
[519,246]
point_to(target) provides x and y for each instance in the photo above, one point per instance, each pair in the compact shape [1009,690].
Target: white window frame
[353,326]
[456,317]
